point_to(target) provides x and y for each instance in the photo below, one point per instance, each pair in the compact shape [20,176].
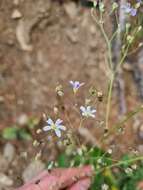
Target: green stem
[109,101]
[120,163]
[100,25]
[122,59]
[125,161]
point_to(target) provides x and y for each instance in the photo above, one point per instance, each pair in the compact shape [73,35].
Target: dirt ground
[43,44]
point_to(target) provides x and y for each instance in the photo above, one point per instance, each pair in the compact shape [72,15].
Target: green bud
[101,7]
[130,39]
[127,27]
[137,5]
[139,28]
[94,4]
[114,6]
[140,44]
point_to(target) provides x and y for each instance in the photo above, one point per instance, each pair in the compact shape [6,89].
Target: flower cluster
[57,126]
[129,9]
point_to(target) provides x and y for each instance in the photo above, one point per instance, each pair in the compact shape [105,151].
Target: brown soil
[47,44]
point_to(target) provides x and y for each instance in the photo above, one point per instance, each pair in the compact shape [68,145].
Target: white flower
[56,126]
[109,151]
[87,111]
[104,187]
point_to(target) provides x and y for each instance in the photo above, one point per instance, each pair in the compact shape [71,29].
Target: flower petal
[93,111]
[71,82]
[50,121]
[127,7]
[58,133]
[76,84]
[88,108]
[133,12]
[47,128]
[92,115]
[81,84]
[62,127]
[58,122]
[82,108]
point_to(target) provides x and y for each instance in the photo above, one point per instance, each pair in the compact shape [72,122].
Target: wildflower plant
[62,124]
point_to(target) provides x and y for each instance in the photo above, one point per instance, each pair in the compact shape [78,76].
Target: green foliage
[10,133]
[129,182]
[103,165]
[32,122]
[14,132]
[95,157]
[20,133]
[63,161]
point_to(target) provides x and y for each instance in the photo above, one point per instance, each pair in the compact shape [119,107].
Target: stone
[71,9]
[5,180]
[72,35]
[2,99]
[16,14]
[22,120]
[9,152]
[3,164]
[140,148]
[92,29]
[32,170]
[16,2]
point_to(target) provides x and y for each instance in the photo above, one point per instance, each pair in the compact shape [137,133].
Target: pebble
[2,99]
[16,2]
[33,169]
[71,9]
[140,148]
[16,14]
[9,152]
[22,120]
[3,164]
[92,29]
[5,180]
[72,35]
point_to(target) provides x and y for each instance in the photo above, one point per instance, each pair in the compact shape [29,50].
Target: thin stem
[122,59]
[114,35]
[120,163]
[109,101]
[108,45]
[125,161]
[100,25]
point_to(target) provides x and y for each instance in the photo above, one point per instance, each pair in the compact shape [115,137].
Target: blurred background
[43,44]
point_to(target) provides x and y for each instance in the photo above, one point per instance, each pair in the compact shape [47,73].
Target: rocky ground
[42,44]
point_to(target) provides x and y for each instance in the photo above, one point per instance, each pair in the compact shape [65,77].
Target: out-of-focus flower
[139,1]
[104,186]
[76,85]
[129,9]
[87,111]
[56,126]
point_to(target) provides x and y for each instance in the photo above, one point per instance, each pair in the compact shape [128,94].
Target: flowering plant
[76,153]
[71,134]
